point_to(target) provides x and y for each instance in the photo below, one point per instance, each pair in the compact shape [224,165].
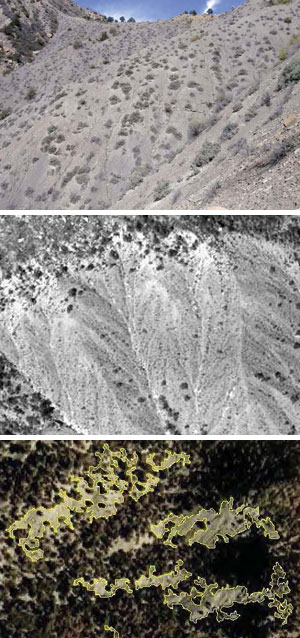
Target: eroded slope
[188,334]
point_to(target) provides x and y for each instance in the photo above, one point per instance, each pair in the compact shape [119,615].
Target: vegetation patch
[290,74]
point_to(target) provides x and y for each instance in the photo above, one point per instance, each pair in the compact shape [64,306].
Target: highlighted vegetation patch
[211,599]
[224,524]
[99,586]
[101,491]
[169,579]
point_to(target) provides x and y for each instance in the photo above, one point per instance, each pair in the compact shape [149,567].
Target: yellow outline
[214,599]
[169,579]
[98,586]
[223,524]
[101,492]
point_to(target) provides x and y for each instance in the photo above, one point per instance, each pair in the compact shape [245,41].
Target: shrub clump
[196,127]
[162,190]
[206,154]
[229,131]
[291,73]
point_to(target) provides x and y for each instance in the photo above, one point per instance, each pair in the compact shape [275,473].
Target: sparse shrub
[283,54]
[162,190]
[291,73]
[114,99]
[279,152]
[252,112]
[237,147]
[31,93]
[103,36]
[229,131]
[173,131]
[287,20]
[175,195]
[266,99]
[195,38]
[206,154]
[77,44]
[196,127]
[237,107]
[174,86]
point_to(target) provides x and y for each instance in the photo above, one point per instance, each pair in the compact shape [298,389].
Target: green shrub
[291,73]
[4,113]
[103,36]
[77,44]
[283,54]
[162,190]
[206,154]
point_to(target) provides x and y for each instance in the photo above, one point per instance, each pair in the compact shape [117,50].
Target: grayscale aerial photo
[150,324]
[187,109]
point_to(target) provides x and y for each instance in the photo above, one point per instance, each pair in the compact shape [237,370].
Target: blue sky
[155,9]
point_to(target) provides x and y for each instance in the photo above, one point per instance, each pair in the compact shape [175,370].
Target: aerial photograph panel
[150,324]
[153,105]
[149,539]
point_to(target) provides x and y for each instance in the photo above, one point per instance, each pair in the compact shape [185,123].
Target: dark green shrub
[103,36]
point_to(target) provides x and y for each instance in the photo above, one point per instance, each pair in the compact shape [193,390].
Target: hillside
[151,324]
[187,113]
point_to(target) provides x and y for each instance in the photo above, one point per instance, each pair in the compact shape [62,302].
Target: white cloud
[117,9]
[211,4]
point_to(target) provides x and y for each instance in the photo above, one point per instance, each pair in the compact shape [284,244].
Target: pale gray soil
[137,326]
[119,123]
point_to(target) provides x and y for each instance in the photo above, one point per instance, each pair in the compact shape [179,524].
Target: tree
[122,19]
[110,19]
[209,12]
[131,20]
[193,13]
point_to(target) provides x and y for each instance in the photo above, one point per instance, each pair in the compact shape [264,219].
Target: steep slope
[182,113]
[159,325]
